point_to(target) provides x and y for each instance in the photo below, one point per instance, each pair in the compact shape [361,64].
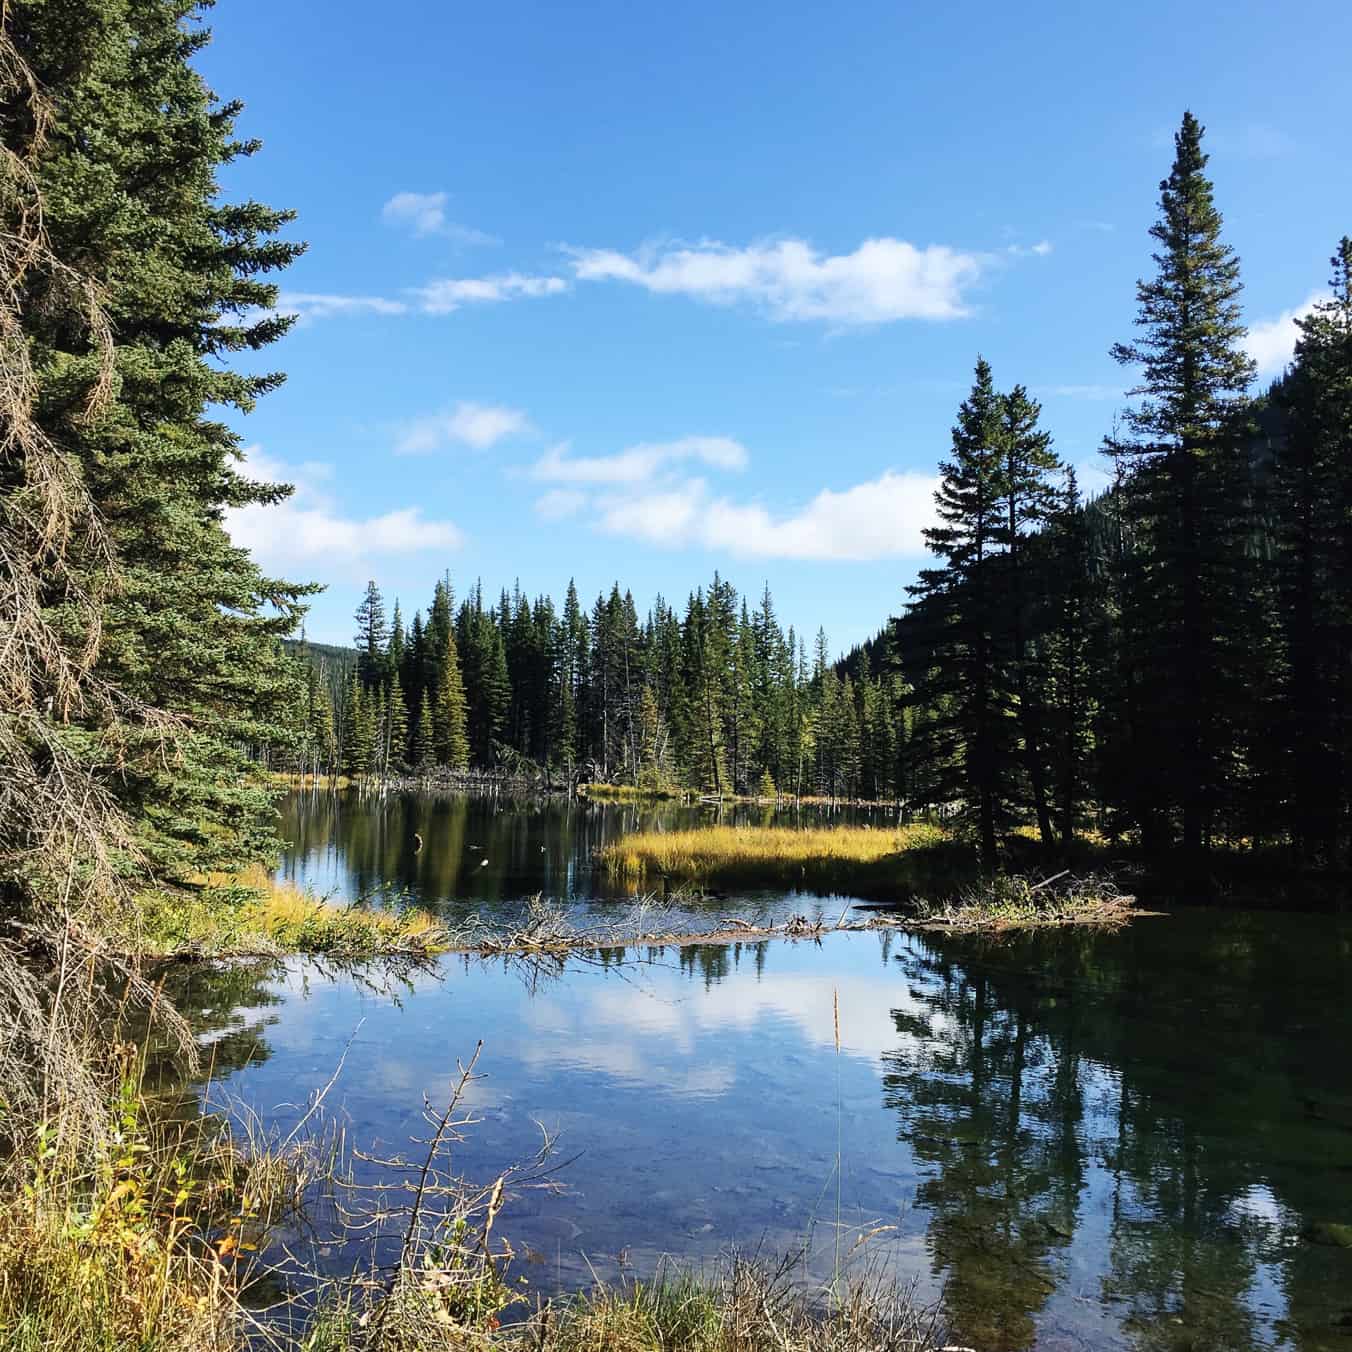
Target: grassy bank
[864,860]
[251,915]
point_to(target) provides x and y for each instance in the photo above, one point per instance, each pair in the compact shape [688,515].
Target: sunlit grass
[1014,903]
[627,793]
[224,915]
[813,857]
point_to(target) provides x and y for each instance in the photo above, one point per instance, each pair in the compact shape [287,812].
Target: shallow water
[1081,1140]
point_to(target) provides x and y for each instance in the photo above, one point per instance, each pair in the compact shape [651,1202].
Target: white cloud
[881,518]
[309,527]
[1041,249]
[1272,342]
[468,424]
[451,293]
[315,305]
[881,281]
[424,213]
[638,464]
[441,297]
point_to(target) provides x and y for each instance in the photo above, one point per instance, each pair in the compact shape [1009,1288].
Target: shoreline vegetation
[253,916]
[542,783]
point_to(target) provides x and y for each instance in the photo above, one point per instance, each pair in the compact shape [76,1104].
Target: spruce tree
[448,716]
[967,688]
[372,637]
[1185,453]
[1073,601]
[1029,503]
[395,749]
[116,321]
[422,741]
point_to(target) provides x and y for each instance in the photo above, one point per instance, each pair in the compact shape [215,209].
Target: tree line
[1173,659]
[716,698]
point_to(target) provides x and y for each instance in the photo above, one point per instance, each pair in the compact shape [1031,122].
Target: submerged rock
[1330,1233]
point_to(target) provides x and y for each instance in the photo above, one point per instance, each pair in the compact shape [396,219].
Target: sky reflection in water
[1082,1140]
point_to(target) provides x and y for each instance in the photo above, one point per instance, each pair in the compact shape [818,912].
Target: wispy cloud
[440,297]
[881,281]
[452,293]
[318,305]
[1039,250]
[478,426]
[310,528]
[424,213]
[1272,342]
[559,503]
[637,464]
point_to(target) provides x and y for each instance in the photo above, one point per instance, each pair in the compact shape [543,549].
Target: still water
[486,855]
[1079,1140]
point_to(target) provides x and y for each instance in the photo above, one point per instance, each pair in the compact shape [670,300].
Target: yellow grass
[817,857]
[249,913]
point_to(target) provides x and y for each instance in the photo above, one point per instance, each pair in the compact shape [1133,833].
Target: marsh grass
[865,860]
[142,1231]
[630,793]
[252,915]
[1015,903]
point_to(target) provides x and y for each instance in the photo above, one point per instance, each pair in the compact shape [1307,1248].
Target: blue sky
[627,291]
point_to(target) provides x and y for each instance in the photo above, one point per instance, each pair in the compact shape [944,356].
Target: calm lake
[1077,1140]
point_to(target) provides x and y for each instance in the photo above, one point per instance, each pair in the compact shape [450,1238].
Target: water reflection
[1107,1141]
[486,853]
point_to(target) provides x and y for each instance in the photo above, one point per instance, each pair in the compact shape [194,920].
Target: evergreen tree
[449,716]
[1065,654]
[1313,508]
[396,653]
[1030,498]
[1185,450]
[372,639]
[422,741]
[359,731]
[967,687]
[138,700]
[395,750]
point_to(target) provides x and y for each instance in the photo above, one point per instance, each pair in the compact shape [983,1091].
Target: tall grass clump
[252,915]
[125,1221]
[863,859]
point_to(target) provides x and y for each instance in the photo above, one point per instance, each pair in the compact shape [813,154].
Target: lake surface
[487,855]
[1079,1140]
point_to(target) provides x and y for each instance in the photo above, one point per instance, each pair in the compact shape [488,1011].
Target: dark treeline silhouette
[1171,660]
